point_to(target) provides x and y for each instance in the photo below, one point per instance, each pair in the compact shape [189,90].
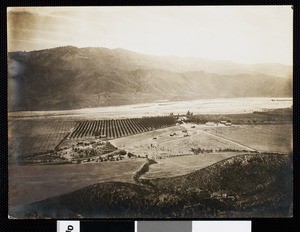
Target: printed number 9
[70,228]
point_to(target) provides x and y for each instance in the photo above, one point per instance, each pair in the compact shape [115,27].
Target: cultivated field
[174,155]
[120,127]
[38,140]
[37,182]
[27,137]
[110,150]
[174,141]
[270,138]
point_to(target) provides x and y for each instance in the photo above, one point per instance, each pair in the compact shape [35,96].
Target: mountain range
[69,78]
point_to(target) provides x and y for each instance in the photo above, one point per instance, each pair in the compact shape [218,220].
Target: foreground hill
[70,77]
[249,185]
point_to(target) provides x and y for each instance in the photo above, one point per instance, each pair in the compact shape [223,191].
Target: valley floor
[177,151]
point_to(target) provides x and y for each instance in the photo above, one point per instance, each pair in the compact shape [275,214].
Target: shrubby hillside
[249,185]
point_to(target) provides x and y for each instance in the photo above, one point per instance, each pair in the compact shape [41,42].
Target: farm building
[182,119]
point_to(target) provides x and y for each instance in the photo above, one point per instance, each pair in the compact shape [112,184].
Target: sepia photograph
[152,112]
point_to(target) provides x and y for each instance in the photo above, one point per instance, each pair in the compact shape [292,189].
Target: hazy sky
[253,34]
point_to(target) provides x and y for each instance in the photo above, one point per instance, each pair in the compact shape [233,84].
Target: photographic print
[150,112]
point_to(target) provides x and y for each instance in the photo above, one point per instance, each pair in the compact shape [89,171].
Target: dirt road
[227,140]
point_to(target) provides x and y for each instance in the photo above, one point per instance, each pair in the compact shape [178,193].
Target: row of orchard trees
[120,127]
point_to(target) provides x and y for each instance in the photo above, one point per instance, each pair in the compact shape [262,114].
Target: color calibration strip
[153,226]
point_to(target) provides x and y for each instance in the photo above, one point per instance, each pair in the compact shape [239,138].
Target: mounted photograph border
[50,225]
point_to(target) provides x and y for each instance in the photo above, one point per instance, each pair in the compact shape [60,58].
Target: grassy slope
[246,185]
